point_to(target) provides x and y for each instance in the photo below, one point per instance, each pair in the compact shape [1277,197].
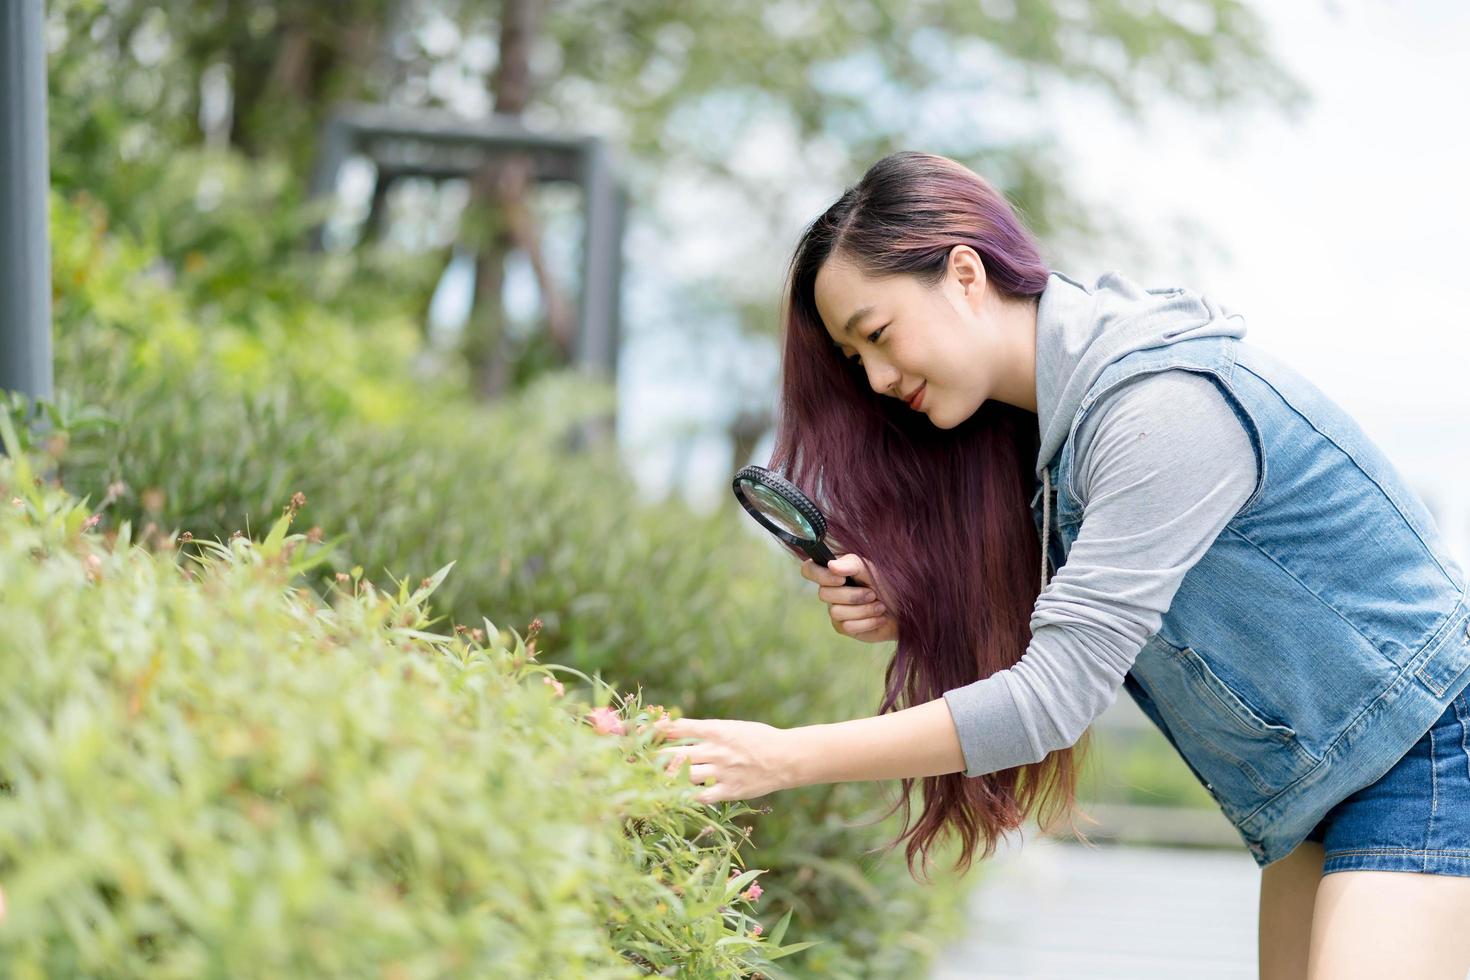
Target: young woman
[1208,531]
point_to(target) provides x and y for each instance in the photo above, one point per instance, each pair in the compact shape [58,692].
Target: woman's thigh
[1284,925]
[1374,924]
[1394,899]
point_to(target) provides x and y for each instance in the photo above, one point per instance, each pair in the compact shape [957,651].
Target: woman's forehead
[842,290]
[839,273]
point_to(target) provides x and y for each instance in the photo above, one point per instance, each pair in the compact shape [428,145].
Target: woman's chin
[938,419]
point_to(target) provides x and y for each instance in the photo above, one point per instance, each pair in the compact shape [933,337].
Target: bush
[696,610]
[206,771]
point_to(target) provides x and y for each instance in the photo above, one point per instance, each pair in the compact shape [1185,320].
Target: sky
[1340,237]
[1344,232]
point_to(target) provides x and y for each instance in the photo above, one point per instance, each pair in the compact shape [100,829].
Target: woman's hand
[741,759]
[856,612]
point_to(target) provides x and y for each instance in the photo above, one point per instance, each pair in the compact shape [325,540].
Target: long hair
[943,515]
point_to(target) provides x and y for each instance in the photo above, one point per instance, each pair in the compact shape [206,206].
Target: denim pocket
[1237,749]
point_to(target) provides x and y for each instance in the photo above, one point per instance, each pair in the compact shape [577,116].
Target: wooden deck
[1065,911]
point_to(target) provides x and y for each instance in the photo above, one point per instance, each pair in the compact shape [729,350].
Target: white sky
[1341,239]
[1346,232]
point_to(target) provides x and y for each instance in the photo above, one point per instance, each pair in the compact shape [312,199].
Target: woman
[1215,535]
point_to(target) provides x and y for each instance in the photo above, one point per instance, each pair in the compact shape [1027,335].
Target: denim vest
[1322,632]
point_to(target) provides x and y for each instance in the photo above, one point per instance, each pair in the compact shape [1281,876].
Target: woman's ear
[968,270]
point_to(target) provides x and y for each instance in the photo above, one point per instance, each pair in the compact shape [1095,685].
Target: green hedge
[206,770]
[212,422]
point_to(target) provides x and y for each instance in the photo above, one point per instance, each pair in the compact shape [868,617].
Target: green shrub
[206,771]
[694,609]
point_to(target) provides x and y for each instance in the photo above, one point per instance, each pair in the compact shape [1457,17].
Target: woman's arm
[742,760]
[914,742]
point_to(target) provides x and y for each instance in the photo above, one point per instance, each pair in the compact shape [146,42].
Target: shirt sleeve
[1163,468]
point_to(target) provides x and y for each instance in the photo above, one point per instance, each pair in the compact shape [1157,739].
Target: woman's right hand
[857,612]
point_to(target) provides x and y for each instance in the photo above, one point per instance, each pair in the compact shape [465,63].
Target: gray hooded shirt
[1161,465]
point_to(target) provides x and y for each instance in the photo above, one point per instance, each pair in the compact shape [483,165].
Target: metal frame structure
[25,250]
[401,142]
[412,143]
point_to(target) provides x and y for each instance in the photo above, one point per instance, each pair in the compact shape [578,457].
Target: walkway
[1064,911]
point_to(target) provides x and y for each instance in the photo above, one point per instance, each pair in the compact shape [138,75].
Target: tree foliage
[753,101]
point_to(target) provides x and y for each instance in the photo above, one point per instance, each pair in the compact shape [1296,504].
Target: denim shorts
[1416,817]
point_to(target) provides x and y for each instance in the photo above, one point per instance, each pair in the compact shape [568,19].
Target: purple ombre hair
[944,515]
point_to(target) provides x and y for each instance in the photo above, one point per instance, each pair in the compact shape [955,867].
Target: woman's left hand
[742,759]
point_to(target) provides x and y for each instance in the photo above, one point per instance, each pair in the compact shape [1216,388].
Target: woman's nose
[881,379]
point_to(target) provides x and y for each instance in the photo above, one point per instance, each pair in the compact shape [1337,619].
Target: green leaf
[11,444]
[736,940]
[420,635]
[779,933]
[738,883]
[271,546]
[24,477]
[435,581]
[304,561]
[793,948]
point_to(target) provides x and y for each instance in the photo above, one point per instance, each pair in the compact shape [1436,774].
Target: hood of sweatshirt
[1080,330]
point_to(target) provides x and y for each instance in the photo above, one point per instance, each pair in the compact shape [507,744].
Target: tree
[684,87]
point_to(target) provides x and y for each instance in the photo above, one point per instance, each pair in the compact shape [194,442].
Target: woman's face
[908,335]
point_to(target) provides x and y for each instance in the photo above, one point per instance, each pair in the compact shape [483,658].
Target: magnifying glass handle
[821,554]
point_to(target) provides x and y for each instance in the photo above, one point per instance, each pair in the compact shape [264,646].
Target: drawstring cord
[1045,521]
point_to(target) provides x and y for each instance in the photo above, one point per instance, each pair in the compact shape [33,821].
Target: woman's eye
[872,339]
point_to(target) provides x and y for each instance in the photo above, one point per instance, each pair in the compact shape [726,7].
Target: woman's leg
[1390,924]
[1284,927]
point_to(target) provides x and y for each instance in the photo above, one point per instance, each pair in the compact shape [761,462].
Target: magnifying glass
[785,511]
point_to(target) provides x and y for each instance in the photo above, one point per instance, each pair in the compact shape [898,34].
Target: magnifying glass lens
[781,508]
[778,510]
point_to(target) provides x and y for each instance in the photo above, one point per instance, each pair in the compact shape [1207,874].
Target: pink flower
[752,893]
[756,930]
[607,721]
[556,685]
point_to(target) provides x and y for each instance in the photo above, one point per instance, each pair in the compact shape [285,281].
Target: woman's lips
[918,397]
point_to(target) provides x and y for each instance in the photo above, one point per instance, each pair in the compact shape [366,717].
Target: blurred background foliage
[745,104]
[234,365]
